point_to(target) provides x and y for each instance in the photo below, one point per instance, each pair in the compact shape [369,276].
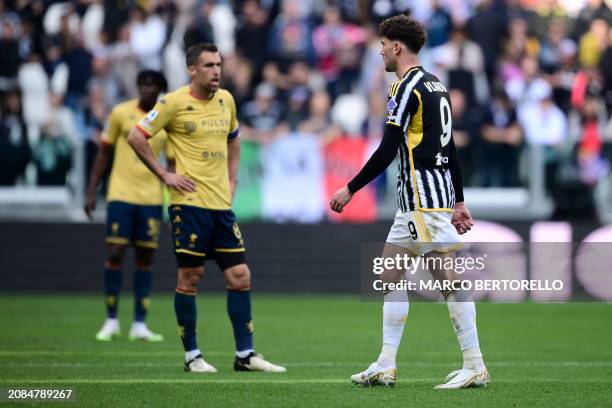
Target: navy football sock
[186,316]
[143,283]
[239,310]
[112,287]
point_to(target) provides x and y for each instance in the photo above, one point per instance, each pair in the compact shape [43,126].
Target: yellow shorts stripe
[229,249]
[117,240]
[187,251]
[146,244]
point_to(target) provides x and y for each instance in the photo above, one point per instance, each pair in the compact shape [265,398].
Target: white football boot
[110,330]
[198,365]
[140,331]
[375,375]
[256,362]
[465,378]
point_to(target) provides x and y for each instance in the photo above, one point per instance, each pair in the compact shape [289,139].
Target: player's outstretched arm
[380,160]
[138,141]
[233,161]
[97,171]
[462,219]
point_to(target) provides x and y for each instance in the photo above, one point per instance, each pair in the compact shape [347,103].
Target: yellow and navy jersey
[419,104]
[198,132]
[131,181]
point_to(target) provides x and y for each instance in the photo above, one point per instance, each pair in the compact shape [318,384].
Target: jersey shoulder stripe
[398,115]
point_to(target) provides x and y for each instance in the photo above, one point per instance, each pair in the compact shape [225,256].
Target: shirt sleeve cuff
[234,134]
[146,132]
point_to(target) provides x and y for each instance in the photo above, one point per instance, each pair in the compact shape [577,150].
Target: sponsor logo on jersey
[441,159]
[213,155]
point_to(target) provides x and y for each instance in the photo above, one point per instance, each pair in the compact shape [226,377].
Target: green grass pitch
[557,355]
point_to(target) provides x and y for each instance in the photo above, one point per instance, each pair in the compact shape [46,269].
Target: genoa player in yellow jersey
[134,206]
[202,128]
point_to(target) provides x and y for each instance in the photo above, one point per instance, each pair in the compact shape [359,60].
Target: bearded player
[431,210]
[202,128]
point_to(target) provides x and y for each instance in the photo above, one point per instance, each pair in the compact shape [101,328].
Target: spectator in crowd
[462,63]
[466,125]
[501,143]
[252,33]
[550,47]
[79,63]
[486,28]
[319,119]
[53,151]
[439,25]
[338,46]
[238,73]
[9,54]
[262,117]
[93,120]
[200,29]
[15,150]
[544,124]
[593,10]
[147,37]
[290,35]
[605,66]
[593,43]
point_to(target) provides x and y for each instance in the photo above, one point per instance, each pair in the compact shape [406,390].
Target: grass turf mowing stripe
[329,364]
[205,379]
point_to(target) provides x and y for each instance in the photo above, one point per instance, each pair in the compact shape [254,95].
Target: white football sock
[244,353]
[190,355]
[395,312]
[463,317]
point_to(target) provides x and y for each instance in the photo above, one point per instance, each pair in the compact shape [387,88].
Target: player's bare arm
[138,141]
[380,160]
[100,165]
[233,161]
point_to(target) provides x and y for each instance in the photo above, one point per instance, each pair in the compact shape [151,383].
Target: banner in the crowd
[292,188]
[247,201]
[344,157]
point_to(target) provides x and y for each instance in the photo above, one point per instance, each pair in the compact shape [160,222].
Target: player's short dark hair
[405,29]
[153,76]
[195,50]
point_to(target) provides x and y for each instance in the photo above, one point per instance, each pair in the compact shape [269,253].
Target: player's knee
[144,259]
[189,278]
[238,277]
[116,254]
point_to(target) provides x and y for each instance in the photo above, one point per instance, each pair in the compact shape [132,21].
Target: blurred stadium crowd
[310,87]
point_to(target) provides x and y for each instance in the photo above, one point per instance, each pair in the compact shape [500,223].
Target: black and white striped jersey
[419,104]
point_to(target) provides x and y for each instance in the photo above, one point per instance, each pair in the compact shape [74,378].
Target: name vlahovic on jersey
[419,104]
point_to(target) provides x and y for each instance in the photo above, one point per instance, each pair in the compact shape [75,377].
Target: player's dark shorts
[133,224]
[200,233]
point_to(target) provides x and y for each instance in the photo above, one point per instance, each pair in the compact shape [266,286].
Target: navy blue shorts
[133,224]
[211,234]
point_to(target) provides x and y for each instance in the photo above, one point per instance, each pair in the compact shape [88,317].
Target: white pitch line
[121,353]
[324,364]
[205,379]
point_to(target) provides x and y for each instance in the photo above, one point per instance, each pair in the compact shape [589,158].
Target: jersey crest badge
[391,105]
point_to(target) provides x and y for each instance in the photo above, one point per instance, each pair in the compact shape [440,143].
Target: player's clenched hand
[90,204]
[340,199]
[462,219]
[181,183]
